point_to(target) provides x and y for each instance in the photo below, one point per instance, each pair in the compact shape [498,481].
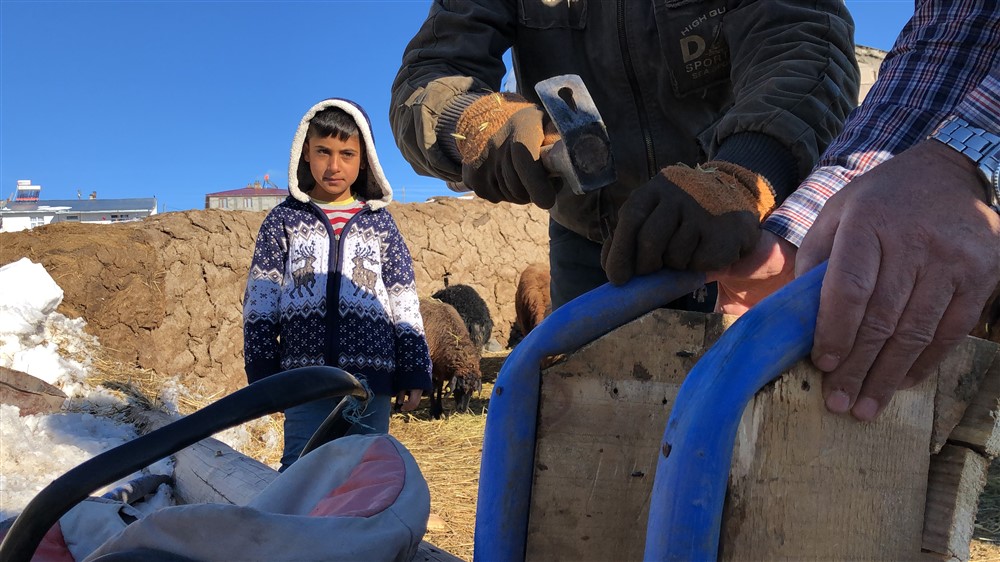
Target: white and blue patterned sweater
[352,304]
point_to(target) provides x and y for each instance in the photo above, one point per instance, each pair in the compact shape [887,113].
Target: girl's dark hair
[334,122]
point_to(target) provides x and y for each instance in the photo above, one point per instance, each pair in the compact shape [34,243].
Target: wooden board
[957,477]
[804,483]
[212,472]
[960,377]
[807,483]
[601,416]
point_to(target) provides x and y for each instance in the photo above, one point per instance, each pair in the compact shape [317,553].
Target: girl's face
[334,164]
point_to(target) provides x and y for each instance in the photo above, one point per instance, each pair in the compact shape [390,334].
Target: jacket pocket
[693,44]
[553,14]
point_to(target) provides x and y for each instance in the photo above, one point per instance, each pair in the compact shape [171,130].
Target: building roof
[250,192]
[83,205]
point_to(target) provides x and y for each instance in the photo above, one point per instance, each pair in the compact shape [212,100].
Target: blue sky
[178,99]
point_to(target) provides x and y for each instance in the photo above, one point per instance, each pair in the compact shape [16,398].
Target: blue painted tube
[685,513]
[509,440]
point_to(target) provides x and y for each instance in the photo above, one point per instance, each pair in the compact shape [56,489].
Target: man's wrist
[447,122]
[978,146]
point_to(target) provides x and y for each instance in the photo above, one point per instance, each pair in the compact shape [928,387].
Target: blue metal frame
[685,511]
[509,439]
[690,483]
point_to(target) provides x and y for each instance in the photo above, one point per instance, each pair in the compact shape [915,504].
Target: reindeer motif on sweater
[314,300]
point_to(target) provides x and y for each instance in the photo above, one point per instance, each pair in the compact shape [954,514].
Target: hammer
[582,156]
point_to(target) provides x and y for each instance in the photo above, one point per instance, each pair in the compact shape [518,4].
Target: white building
[25,209]
[254,197]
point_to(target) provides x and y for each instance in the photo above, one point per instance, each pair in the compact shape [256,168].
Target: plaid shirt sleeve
[945,61]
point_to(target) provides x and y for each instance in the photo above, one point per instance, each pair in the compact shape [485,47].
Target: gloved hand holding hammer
[702,218]
[500,137]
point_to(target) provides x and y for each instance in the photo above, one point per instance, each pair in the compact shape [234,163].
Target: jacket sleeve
[260,301]
[795,78]
[942,63]
[413,361]
[458,50]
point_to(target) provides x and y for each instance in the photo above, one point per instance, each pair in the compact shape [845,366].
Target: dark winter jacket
[311,300]
[765,84]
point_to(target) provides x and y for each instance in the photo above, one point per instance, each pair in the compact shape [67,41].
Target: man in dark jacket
[716,110]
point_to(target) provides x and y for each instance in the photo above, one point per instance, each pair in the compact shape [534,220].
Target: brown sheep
[532,301]
[454,359]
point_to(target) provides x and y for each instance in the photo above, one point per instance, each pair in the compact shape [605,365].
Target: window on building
[72,218]
[37,221]
[247,203]
[119,218]
[223,203]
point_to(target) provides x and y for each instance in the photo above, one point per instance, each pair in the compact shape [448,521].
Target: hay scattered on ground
[448,453]
[988,515]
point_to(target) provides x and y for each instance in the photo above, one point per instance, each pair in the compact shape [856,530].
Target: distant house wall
[243,202]
[869,60]
[14,219]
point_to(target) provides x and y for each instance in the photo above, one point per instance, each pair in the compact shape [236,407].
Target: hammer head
[583,157]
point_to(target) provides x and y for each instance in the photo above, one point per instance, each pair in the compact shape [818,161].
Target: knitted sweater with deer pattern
[351,303]
[313,301]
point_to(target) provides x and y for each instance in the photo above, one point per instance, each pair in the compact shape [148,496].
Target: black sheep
[473,310]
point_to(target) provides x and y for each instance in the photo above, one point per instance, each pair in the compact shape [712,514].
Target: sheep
[454,359]
[532,301]
[472,308]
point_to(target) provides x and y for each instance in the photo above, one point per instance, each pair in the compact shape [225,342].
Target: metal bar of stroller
[509,438]
[272,394]
[692,472]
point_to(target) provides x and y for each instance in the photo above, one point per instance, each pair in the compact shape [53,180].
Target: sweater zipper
[333,282]
[633,82]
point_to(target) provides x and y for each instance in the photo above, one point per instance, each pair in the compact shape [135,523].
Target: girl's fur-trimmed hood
[375,191]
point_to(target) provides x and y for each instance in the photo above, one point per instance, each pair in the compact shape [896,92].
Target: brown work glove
[500,137]
[701,218]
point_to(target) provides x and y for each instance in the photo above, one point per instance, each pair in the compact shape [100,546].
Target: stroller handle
[266,396]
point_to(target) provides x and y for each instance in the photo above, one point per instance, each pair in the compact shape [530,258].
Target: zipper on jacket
[333,278]
[633,82]
[337,258]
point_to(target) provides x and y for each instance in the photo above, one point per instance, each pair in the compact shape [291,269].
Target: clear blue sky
[178,99]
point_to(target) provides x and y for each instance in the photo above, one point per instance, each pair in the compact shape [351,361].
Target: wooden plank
[212,472]
[957,477]
[960,376]
[30,394]
[980,425]
[601,415]
[804,483]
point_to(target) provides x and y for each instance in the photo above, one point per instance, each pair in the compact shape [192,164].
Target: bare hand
[766,269]
[914,253]
[408,402]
